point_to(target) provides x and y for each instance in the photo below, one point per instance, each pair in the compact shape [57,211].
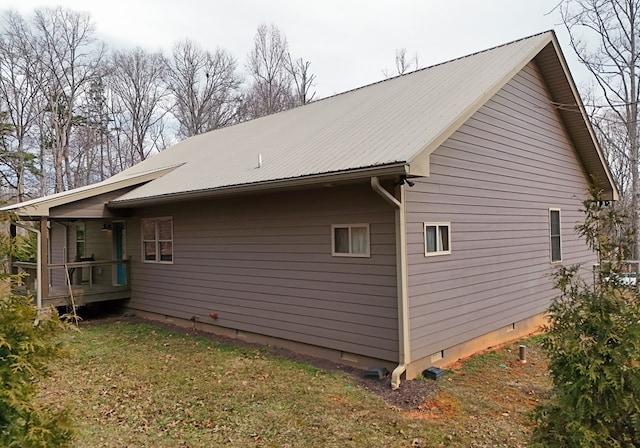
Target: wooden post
[43,257]
[12,233]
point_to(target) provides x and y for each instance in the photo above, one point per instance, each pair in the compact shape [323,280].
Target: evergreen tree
[593,345]
[27,345]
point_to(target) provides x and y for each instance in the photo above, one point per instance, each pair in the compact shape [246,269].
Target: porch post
[12,234]
[43,258]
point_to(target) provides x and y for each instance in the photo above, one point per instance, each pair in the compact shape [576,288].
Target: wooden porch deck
[83,295]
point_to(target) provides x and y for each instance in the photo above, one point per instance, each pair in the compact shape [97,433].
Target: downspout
[38,264]
[401,279]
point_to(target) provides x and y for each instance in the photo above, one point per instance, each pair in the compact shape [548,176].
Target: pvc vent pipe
[522,353]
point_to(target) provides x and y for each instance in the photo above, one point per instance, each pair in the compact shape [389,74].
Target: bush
[593,345]
[27,344]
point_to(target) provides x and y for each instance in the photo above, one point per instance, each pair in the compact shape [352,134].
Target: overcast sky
[348,42]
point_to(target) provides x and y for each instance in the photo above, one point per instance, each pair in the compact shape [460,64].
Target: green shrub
[27,344]
[593,345]
[26,247]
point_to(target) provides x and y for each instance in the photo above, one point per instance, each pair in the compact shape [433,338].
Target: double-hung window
[555,235]
[157,240]
[437,238]
[350,240]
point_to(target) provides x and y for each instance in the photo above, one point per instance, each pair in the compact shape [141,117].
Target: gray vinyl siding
[494,179]
[264,264]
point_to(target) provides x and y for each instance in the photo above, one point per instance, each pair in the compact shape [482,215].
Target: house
[406,223]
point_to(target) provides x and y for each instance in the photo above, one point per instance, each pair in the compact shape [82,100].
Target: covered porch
[82,243]
[79,261]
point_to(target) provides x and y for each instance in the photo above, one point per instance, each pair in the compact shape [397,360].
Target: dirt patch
[439,406]
[410,395]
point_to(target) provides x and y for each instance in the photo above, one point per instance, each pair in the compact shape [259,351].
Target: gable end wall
[494,180]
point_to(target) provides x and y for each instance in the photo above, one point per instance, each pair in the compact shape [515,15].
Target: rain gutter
[404,355]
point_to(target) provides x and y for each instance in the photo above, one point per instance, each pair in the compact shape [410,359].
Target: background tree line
[73,112]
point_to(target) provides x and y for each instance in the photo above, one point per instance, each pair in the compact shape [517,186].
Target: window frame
[156,240]
[552,236]
[439,250]
[366,254]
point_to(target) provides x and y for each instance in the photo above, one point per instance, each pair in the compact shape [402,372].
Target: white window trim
[551,236]
[157,240]
[367,254]
[424,236]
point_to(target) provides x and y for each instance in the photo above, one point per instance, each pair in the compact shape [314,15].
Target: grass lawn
[137,385]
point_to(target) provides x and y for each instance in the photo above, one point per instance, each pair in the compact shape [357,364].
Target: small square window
[350,240]
[437,238]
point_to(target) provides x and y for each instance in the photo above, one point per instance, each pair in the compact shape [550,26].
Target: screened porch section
[79,261]
[78,283]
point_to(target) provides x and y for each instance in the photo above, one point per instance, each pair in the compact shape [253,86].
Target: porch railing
[625,273]
[83,277]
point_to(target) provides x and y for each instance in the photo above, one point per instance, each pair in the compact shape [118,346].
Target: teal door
[118,229]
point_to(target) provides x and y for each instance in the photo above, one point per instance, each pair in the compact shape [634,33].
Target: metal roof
[394,123]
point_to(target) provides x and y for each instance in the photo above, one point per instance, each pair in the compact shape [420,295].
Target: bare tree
[605,35]
[302,78]
[404,64]
[612,136]
[90,139]
[136,81]
[205,88]
[20,99]
[67,60]
[270,90]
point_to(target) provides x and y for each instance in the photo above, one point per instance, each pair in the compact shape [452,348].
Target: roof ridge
[355,89]
[430,66]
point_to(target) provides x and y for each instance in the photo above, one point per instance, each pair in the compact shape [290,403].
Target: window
[157,240]
[80,240]
[350,240]
[437,238]
[555,235]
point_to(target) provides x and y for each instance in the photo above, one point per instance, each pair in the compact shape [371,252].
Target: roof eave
[587,144]
[41,207]
[395,169]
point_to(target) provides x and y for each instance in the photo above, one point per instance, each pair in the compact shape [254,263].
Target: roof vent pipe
[259,160]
